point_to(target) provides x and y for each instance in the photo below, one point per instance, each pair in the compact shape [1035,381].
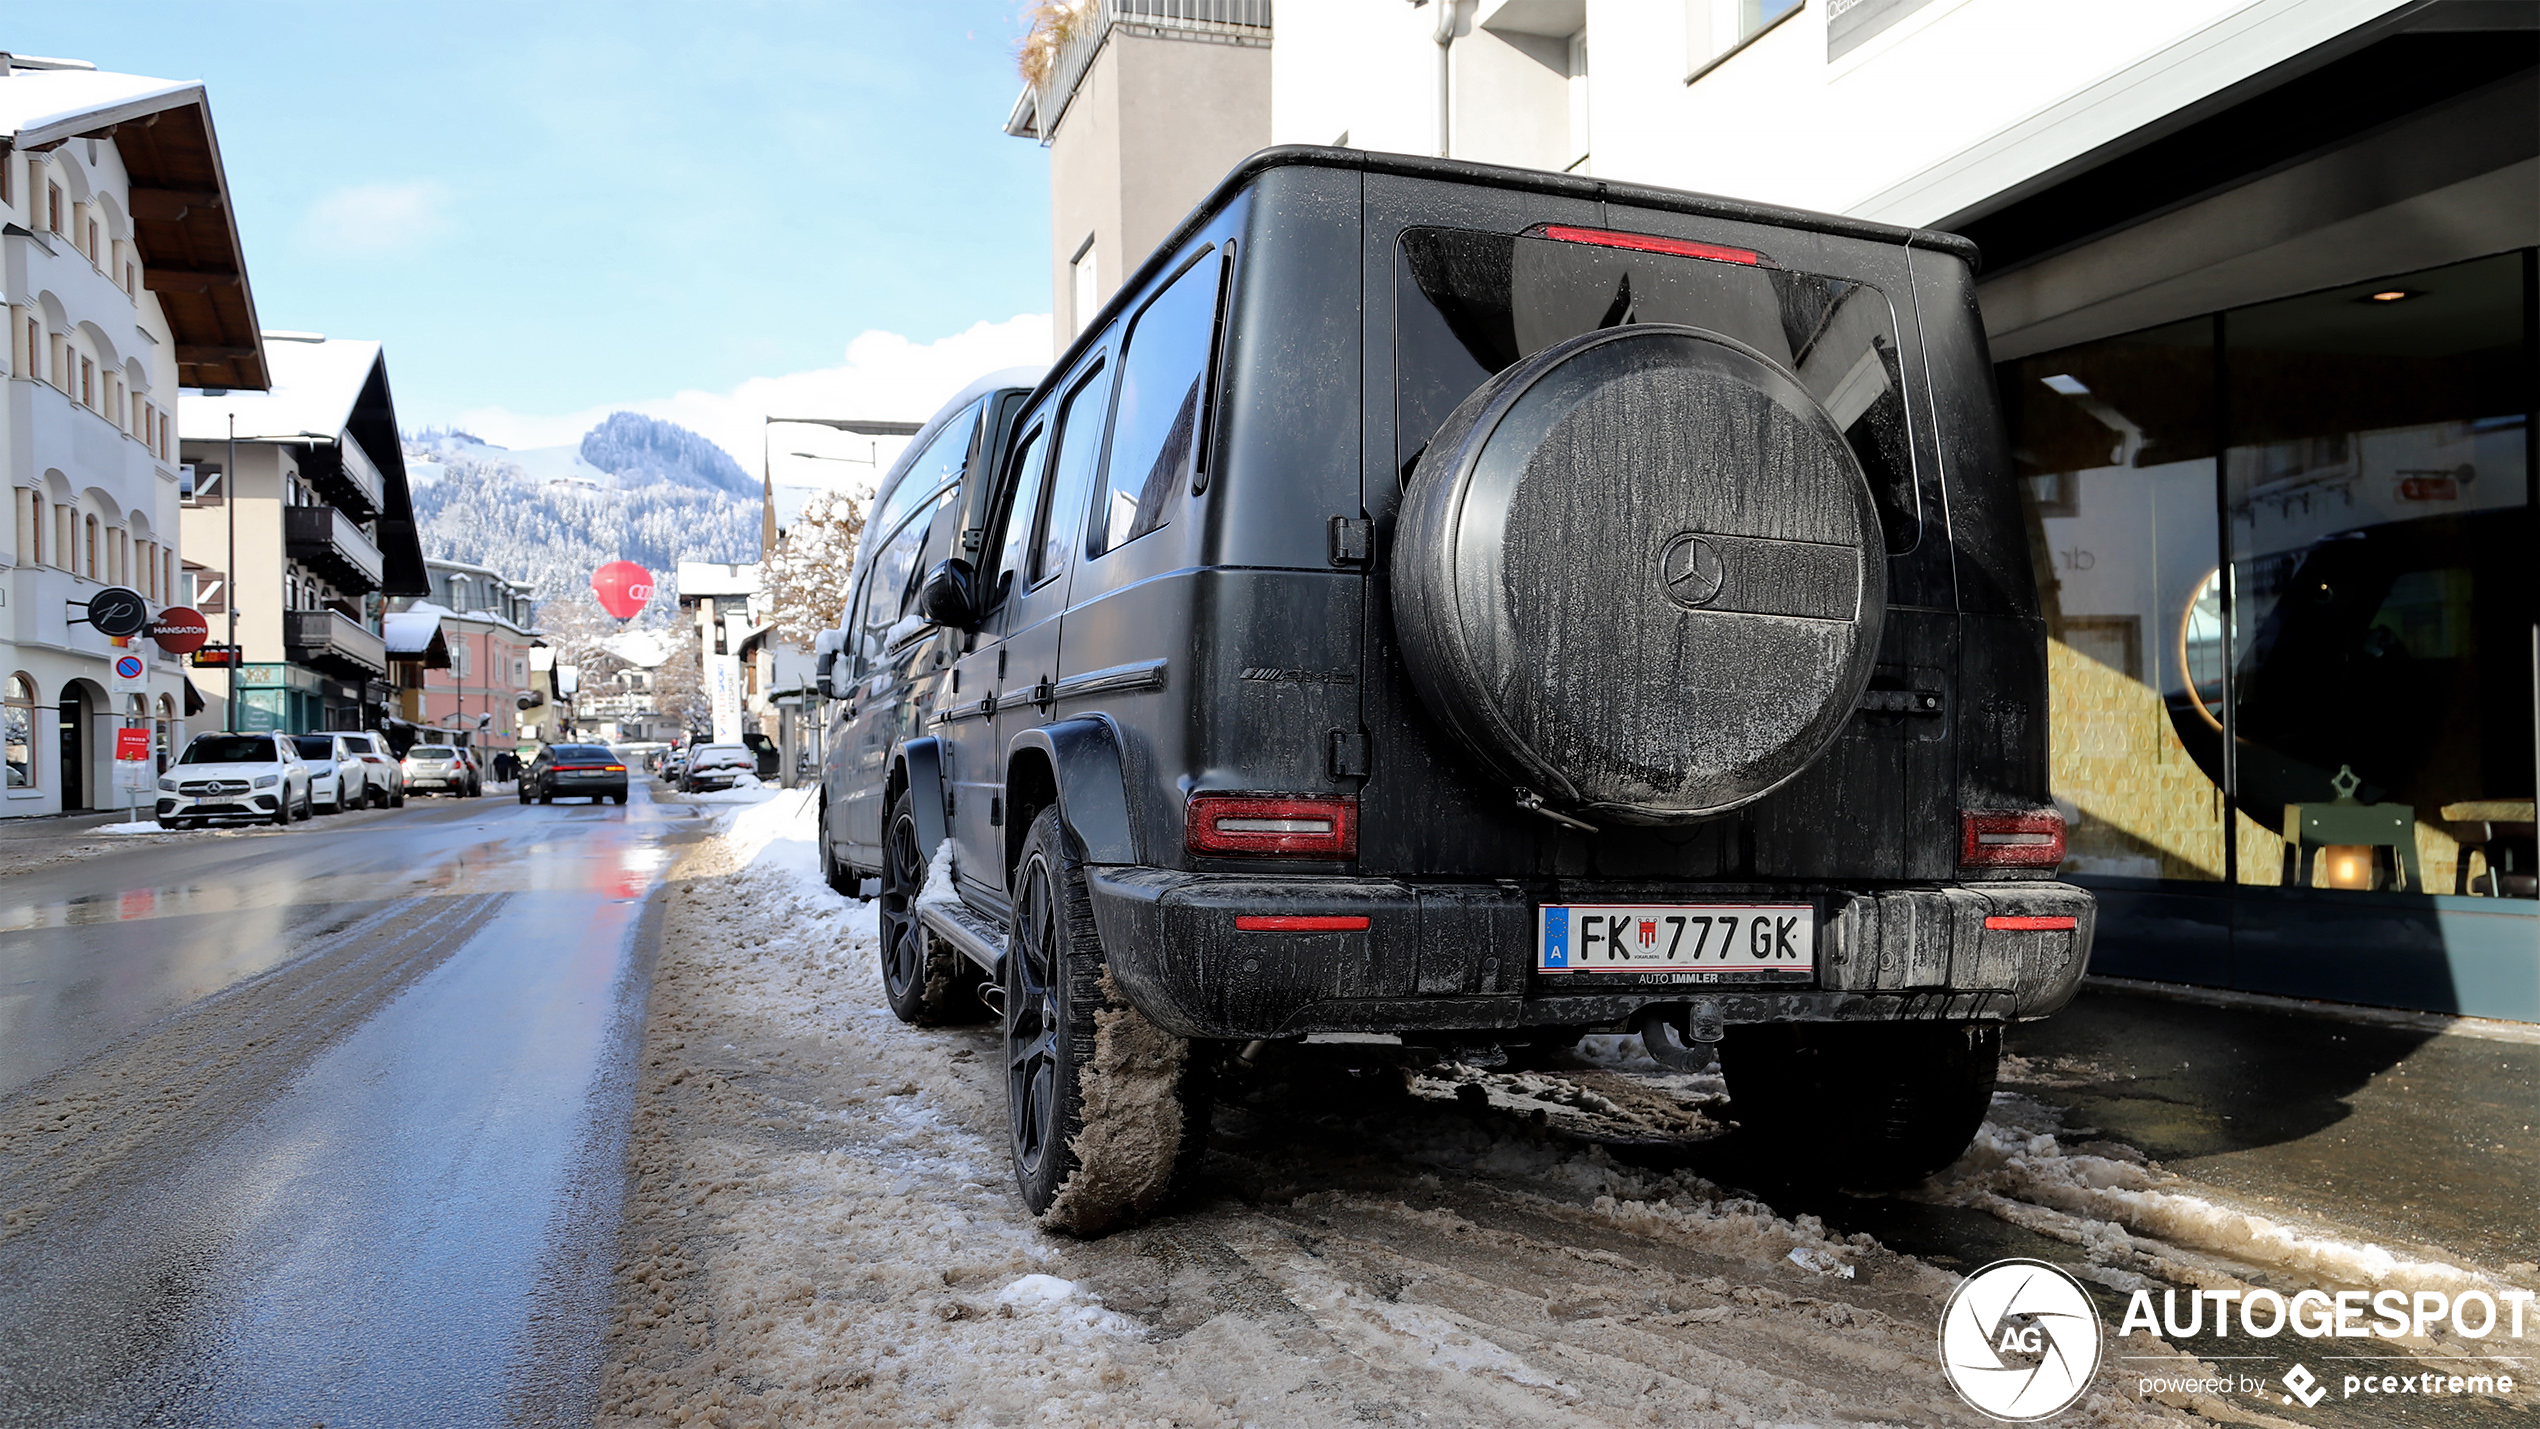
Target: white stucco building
[123,279]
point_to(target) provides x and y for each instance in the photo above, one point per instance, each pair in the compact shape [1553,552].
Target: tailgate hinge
[1349,754]
[1353,541]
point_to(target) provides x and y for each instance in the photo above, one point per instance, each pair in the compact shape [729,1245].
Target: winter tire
[546,796]
[1105,1111]
[1626,516]
[926,980]
[524,793]
[840,879]
[1872,1105]
[398,799]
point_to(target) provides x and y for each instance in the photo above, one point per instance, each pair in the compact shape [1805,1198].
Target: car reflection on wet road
[322,1124]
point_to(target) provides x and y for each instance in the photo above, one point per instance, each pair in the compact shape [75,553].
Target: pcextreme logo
[2020,1340]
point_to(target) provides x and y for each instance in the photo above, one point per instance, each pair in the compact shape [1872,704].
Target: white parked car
[384,777]
[444,768]
[235,776]
[717,766]
[332,787]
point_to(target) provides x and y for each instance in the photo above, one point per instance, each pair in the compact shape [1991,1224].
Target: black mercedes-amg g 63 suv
[1480,606]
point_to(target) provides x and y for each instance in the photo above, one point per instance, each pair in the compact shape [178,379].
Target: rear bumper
[587,788]
[1460,957]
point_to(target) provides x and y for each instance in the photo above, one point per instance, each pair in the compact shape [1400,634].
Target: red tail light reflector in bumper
[1652,243]
[1296,923]
[2018,923]
[2031,839]
[1272,825]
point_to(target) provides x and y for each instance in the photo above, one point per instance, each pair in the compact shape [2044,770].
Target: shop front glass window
[2113,442]
[2382,542]
[17,731]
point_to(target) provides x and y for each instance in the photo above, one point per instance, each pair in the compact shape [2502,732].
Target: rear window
[431,751]
[315,746]
[582,751]
[230,749]
[1469,305]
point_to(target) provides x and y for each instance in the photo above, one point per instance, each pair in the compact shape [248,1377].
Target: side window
[939,463]
[1156,429]
[886,588]
[1025,479]
[1077,439]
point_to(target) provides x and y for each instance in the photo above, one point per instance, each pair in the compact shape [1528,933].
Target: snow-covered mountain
[635,489]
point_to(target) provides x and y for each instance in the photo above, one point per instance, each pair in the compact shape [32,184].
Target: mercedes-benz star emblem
[1690,569]
[2020,1340]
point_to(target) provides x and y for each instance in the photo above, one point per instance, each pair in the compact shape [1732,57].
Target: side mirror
[950,595]
[825,646]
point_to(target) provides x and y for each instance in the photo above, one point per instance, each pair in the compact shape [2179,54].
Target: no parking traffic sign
[131,674]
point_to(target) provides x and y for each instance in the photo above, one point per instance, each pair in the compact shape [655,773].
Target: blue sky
[545,209]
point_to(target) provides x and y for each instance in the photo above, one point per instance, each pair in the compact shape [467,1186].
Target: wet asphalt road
[322,1125]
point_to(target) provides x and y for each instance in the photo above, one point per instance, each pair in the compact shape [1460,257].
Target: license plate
[1740,938]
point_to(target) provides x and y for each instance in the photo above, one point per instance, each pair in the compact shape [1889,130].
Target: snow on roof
[642,648]
[39,106]
[717,578]
[315,386]
[412,631]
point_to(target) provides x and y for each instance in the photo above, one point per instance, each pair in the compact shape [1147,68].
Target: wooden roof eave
[186,228]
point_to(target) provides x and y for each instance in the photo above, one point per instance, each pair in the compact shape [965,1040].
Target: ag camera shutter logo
[2020,1340]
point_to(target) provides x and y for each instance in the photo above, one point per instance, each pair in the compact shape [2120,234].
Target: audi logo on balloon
[623,588]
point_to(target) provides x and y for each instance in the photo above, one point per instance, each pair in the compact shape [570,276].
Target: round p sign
[118,611]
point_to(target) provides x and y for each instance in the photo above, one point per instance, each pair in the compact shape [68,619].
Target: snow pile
[137,826]
[2134,1220]
[939,890]
[745,789]
[776,831]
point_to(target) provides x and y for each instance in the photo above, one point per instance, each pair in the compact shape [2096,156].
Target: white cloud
[885,376]
[368,220]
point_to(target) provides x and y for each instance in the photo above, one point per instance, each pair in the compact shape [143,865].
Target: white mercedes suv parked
[235,776]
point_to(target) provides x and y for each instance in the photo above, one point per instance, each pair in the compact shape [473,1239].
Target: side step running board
[979,940]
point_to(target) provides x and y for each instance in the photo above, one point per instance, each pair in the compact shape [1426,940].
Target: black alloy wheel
[1040,1073]
[1071,1049]
[926,980]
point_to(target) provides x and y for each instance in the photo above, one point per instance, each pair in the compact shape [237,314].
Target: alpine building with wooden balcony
[316,503]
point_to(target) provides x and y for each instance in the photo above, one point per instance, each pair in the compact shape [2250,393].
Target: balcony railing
[326,540]
[344,472]
[335,643]
[1236,20]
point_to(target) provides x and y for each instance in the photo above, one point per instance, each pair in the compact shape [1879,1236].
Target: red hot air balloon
[623,588]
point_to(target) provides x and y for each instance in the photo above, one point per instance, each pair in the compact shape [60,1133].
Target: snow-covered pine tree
[806,576]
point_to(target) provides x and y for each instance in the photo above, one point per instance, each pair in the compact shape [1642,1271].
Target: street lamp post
[229,577]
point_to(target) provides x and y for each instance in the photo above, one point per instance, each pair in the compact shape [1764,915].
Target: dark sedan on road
[571,771]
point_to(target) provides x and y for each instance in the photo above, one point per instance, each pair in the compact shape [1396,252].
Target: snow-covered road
[823,1230]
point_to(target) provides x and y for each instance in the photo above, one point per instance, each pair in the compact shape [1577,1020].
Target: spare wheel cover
[1641,575]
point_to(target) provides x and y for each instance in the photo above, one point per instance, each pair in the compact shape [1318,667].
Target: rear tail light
[613,769]
[2024,923]
[2032,839]
[1272,825]
[1299,923]
[1652,243]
